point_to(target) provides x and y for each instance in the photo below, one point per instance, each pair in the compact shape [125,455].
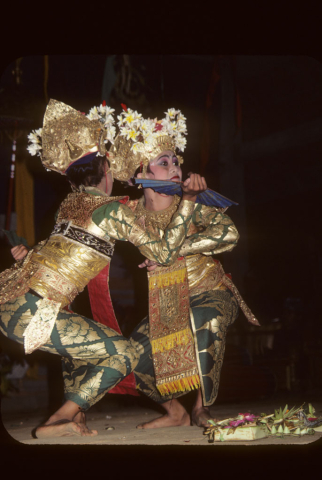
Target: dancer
[36,291]
[191,303]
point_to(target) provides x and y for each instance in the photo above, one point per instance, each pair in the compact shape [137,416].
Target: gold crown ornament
[140,140]
[68,135]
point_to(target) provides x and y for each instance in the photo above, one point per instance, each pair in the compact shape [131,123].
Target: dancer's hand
[150,264]
[19,252]
[192,186]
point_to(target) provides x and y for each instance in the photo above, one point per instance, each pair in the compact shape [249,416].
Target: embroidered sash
[171,338]
[41,325]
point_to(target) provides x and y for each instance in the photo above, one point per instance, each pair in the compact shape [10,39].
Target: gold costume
[35,293]
[214,301]
[80,246]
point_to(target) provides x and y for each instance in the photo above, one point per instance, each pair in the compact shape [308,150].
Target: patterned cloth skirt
[212,313]
[95,357]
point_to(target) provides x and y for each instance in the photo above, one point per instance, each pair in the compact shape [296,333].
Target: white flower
[129,116]
[137,147]
[171,112]
[106,112]
[109,120]
[101,109]
[149,139]
[93,114]
[181,127]
[124,130]
[35,142]
[181,117]
[120,120]
[110,135]
[147,126]
[132,116]
[33,137]
[34,149]
[181,142]
[109,110]
[169,127]
[132,133]
[166,122]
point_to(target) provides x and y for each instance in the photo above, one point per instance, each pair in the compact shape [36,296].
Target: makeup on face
[165,167]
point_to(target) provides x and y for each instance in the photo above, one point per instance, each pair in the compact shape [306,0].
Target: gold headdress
[139,140]
[67,135]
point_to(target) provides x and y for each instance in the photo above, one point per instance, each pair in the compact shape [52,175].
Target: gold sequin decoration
[79,207]
[157,219]
[40,327]
[67,135]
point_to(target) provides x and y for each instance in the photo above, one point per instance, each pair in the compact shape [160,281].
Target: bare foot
[176,416]
[200,417]
[80,419]
[64,428]
[167,421]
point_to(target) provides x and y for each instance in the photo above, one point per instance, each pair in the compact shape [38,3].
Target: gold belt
[50,284]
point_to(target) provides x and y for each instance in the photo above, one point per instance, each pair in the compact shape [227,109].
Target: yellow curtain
[24,200]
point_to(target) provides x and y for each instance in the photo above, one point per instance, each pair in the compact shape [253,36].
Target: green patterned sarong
[95,357]
[212,313]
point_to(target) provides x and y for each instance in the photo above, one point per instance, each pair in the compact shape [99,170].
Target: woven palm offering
[283,422]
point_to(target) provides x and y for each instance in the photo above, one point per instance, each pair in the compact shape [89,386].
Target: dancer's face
[165,167]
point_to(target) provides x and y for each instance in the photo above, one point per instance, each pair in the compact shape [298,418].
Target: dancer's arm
[120,223]
[218,233]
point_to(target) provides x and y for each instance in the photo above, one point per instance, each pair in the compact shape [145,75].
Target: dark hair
[87,174]
[139,170]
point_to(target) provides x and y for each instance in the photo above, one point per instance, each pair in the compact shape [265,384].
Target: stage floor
[20,413]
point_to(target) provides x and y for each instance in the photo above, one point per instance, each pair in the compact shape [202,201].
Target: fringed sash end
[181,385]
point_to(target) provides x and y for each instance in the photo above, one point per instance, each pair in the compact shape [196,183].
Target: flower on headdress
[131,116]
[132,133]
[143,132]
[158,126]
[35,142]
[104,114]
[147,126]
[181,143]
[181,117]
[110,135]
[181,127]
[34,149]
[171,112]
[93,114]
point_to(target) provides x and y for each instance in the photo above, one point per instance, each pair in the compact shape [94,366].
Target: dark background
[254,130]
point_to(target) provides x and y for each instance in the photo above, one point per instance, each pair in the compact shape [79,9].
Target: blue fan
[208,197]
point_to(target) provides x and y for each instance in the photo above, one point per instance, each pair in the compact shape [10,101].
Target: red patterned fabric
[103,312]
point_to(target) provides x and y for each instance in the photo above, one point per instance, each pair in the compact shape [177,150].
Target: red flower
[104,103]
[124,106]
[157,127]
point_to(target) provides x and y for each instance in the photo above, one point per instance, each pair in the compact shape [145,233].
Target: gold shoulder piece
[132,204]
[79,207]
